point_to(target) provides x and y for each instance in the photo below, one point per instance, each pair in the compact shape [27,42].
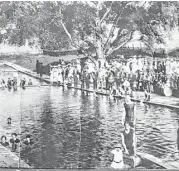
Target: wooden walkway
[9,159]
[170,102]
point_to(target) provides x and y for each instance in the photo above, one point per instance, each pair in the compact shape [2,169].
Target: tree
[97,29]
[108,26]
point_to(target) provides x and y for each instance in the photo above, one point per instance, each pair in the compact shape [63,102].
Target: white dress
[55,75]
[118,159]
[60,78]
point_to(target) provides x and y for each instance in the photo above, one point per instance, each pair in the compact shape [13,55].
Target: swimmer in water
[28,140]
[14,141]
[129,111]
[4,142]
[9,120]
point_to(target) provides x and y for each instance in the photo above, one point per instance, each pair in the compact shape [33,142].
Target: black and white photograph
[89,85]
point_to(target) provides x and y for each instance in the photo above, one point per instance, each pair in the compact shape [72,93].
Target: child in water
[118,157]
[14,141]
[28,140]
[4,142]
[9,120]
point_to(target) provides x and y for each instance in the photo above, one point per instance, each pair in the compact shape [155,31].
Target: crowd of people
[12,83]
[118,76]
[14,142]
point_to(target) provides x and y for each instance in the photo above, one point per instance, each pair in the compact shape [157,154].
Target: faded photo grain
[89,85]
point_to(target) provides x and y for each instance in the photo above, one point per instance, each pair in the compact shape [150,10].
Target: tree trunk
[99,45]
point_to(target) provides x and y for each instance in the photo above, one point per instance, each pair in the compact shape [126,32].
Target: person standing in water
[117,157]
[129,111]
[23,82]
[41,68]
[15,84]
[37,66]
[14,141]
[129,142]
[9,83]
[4,141]
[9,120]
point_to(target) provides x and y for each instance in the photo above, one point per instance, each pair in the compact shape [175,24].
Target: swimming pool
[72,130]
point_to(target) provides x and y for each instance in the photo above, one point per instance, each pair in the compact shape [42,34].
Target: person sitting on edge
[28,140]
[117,157]
[129,142]
[9,120]
[30,82]
[14,141]
[4,142]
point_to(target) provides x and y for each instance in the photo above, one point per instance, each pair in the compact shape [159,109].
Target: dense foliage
[95,28]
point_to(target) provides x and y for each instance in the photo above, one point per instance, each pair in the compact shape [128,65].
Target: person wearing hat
[117,162]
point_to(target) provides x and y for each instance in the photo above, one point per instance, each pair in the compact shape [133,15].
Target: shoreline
[11,160]
[169,102]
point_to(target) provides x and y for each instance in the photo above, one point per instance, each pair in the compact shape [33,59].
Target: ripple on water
[71,130]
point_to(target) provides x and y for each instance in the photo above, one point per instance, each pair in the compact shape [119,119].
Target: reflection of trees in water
[42,152]
[90,148]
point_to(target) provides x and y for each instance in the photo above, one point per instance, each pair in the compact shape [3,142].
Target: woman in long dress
[55,74]
[60,76]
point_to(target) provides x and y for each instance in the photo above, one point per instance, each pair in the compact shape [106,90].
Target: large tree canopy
[96,28]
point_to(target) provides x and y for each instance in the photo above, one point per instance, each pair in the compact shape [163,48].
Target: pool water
[73,130]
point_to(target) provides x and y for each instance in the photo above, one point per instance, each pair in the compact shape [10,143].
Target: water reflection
[72,130]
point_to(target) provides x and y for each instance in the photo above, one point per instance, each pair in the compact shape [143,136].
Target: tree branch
[91,4]
[66,31]
[125,42]
[113,26]
[152,51]
[107,12]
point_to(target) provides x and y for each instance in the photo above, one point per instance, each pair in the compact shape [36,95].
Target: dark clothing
[14,144]
[9,84]
[41,70]
[129,108]
[5,144]
[14,141]
[28,143]
[129,140]
[37,67]
[23,83]
[29,83]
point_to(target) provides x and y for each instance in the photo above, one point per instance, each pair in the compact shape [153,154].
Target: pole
[20,137]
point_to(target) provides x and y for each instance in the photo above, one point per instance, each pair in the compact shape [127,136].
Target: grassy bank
[29,60]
